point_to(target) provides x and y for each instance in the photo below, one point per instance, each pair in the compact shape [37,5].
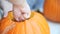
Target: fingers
[16,13]
[27,15]
[19,17]
[27,12]
[21,13]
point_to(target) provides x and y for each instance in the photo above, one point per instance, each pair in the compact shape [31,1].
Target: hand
[21,10]
[20,13]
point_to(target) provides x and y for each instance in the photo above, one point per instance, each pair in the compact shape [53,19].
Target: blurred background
[38,5]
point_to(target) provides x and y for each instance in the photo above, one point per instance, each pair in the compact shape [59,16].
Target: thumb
[27,15]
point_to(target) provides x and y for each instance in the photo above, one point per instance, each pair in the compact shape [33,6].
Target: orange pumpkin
[52,10]
[36,24]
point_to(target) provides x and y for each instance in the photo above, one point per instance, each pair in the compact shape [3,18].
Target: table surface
[54,27]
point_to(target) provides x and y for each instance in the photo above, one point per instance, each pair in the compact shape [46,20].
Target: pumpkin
[36,24]
[52,10]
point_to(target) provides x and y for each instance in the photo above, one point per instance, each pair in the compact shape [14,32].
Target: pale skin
[21,10]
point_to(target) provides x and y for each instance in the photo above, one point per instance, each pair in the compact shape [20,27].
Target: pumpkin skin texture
[36,24]
[52,10]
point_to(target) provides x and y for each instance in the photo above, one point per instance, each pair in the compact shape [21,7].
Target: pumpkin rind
[35,25]
[52,10]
